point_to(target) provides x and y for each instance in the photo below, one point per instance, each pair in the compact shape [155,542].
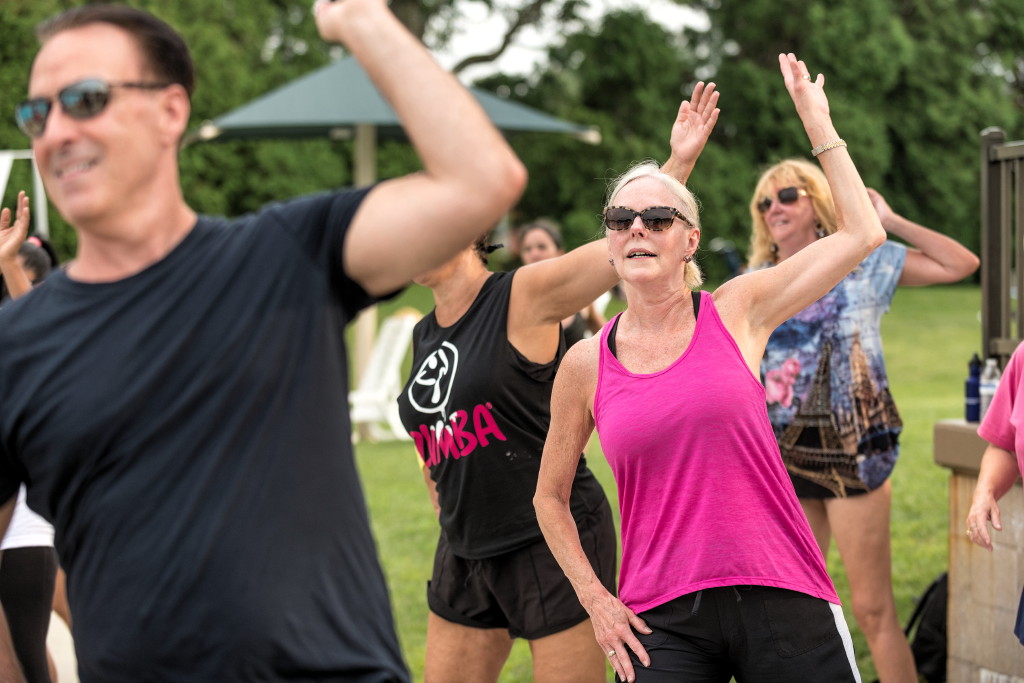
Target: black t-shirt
[186,430]
[478,412]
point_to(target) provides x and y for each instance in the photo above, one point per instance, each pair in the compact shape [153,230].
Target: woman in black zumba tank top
[477,407]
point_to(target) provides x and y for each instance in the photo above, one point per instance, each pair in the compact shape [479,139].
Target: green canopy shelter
[335,99]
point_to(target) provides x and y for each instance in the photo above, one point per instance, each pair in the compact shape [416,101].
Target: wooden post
[995,261]
[366,323]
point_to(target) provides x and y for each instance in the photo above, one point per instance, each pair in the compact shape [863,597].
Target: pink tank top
[704,497]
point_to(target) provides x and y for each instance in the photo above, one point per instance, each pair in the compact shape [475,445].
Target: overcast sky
[478,33]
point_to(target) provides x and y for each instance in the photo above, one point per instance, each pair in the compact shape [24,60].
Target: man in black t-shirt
[176,398]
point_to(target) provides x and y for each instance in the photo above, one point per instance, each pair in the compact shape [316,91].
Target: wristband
[838,142]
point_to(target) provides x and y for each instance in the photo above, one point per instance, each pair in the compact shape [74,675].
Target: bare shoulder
[734,297]
[578,370]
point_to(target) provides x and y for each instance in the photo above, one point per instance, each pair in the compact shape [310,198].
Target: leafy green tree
[907,84]
[16,51]
[240,50]
[435,21]
[626,77]
[911,84]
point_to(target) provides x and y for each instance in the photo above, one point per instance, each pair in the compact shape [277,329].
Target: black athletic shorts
[755,634]
[524,590]
[805,488]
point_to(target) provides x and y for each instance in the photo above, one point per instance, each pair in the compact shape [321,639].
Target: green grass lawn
[929,336]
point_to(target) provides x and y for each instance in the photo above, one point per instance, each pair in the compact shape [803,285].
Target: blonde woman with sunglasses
[721,576]
[827,390]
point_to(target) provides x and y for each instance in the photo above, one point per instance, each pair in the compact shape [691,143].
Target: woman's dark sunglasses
[81,100]
[656,218]
[787,195]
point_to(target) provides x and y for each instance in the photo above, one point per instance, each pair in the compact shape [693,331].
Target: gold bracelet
[838,142]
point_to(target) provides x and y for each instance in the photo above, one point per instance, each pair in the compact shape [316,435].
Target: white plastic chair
[374,403]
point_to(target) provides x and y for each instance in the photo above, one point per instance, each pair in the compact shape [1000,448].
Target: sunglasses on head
[655,218]
[787,195]
[81,100]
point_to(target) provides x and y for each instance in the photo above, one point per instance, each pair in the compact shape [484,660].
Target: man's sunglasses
[787,195]
[656,218]
[81,100]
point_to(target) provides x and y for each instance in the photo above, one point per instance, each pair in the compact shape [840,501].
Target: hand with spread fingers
[977,522]
[690,131]
[613,624]
[808,94]
[998,472]
[13,234]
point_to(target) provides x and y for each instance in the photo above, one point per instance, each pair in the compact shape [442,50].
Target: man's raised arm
[471,176]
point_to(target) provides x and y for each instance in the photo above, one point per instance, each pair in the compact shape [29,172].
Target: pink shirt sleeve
[1003,426]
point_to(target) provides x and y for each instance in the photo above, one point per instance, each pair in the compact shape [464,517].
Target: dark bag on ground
[929,640]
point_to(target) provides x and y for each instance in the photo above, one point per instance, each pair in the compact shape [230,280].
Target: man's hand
[331,17]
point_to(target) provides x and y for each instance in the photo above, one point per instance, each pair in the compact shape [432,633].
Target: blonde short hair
[692,274]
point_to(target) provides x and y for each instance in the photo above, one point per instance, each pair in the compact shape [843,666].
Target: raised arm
[758,302]
[546,292]
[470,176]
[12,235]
[571,425]
[691,130]
[934,258]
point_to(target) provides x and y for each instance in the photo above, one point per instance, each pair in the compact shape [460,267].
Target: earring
[774,248]
[687,259]
[820,231]
[611,261]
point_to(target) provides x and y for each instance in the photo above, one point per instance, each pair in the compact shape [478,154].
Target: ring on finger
[611,653]
[806,77]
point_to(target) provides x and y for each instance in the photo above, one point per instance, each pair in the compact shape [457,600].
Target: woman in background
[828,393]
[1002,463]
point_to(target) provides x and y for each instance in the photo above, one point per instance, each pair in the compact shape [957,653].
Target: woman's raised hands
[691,129]
[808,95]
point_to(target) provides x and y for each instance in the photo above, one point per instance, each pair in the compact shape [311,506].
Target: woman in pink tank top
[720,574]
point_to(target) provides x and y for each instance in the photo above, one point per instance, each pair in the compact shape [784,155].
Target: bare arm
[571,425]
[691,130]
[12,235]
[935,258]
[756,303]
[998,473]
[471,177]
[546,292]
[10,668]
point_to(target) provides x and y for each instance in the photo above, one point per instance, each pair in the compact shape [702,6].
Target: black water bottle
[972,390]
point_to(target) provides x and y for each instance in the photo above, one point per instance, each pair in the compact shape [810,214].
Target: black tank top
[478,412]
[576,331]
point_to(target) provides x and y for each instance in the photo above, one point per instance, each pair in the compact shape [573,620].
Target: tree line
[911,84]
